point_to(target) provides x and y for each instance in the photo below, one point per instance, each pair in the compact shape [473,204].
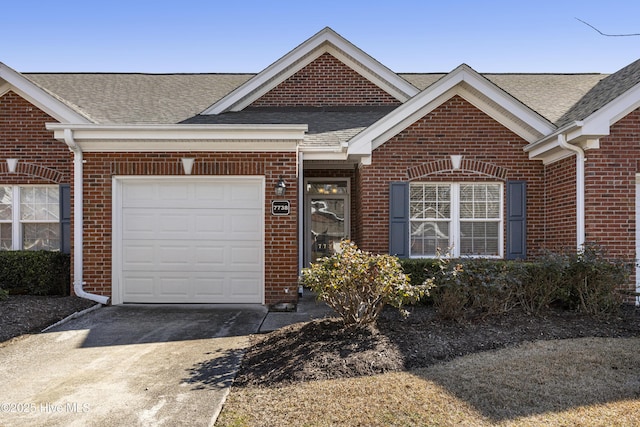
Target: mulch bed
[324,349]
[25,314]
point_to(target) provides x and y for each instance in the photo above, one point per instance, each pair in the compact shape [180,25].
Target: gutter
[78,282]
[580,189]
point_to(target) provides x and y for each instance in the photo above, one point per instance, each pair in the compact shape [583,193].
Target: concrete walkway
[127,365]
[308,309]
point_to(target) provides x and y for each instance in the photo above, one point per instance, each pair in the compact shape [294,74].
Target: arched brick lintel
[466,166]
[32,170]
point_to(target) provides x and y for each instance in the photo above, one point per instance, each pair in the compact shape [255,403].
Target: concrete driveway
[127,365]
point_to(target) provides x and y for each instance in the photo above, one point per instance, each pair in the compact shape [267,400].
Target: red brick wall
[23,136]
[281,250]
[560,202]
[325,82]
[610,176]
[421,153]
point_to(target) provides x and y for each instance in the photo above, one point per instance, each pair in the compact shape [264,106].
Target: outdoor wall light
[281,187]
[187,165]
[12,164]
[456,161]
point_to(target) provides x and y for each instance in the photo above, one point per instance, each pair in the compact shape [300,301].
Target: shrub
[4,294]
[587,281]
[35,272]
[474,287]
[357,284]
[420,270]
[540,282]
[592,282]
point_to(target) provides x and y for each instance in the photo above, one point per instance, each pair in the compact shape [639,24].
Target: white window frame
[455,220]
[17,222]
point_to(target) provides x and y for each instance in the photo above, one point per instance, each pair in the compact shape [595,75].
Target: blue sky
[246,36]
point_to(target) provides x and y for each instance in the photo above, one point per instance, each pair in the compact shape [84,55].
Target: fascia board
[351,59]
[508,102]
[4,88]
[421,104]
[375,72]
[39,97]
[182,137]
[325,155]
[264,76]
[321,43]
[382,75]
[598,123]
[389,125]
[195,132]
[165,146]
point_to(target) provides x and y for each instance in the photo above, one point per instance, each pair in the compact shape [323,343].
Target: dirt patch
[324,349]
[25,314]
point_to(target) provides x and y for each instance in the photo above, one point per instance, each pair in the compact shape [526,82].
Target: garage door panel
[245,195]
[209,288]
[138,288]
[138,255]
[247,257]
[232,194]
[193,287]
[193,240]
[243,287]
[170,255]
[143,223]
[175,288]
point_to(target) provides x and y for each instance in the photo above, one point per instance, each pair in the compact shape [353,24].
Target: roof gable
[468,84]
[325,41]
[591,118]
[325,82]
[606,91]
[41,98]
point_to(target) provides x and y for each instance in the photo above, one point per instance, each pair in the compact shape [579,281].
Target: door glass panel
[328,188]
[327,226]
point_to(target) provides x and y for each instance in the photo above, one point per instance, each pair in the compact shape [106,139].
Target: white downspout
[78,281]
[301,215]
[580,190]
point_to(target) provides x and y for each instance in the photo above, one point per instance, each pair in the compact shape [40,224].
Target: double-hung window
[462,218]
[30,217]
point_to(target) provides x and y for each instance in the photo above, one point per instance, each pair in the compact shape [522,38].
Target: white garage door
[189,240]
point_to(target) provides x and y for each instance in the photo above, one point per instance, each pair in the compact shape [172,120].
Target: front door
[327,216]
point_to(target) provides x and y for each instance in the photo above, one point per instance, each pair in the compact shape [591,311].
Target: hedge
[588,281]
[35,272]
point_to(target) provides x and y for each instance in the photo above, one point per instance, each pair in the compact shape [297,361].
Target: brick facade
[610,188]
[560,202]
[419,153]
[325,82]
[281,249]
[491,153]
[41,159]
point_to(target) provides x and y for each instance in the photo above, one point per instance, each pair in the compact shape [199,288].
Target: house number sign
[280,207]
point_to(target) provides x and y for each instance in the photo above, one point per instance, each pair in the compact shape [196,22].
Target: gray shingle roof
[328,127]
[171,98]
[138,98]
[604,92]
[550,95]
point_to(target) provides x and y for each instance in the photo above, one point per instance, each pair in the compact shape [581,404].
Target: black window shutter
[65,218]
[399,219]
[516,220]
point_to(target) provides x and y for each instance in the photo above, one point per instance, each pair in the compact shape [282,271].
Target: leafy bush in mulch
[358,284]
